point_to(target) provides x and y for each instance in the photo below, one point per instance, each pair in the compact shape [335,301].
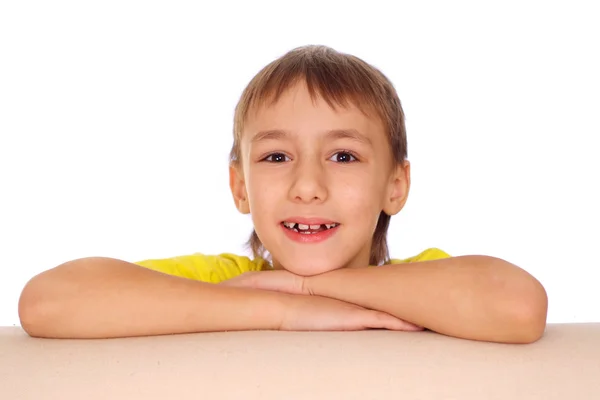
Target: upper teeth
[291,225]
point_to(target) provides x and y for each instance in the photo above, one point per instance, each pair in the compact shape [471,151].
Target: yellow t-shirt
[218,268]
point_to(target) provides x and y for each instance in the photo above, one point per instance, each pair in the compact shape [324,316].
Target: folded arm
[472,297]
[100,297]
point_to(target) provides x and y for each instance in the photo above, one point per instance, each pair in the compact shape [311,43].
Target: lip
[309,238]
[310,221]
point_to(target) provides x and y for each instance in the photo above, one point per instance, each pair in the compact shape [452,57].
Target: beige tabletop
[375,364]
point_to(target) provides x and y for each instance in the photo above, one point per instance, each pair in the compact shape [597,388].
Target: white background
[116,123]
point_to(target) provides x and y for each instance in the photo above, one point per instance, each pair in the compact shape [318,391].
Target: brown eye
[276,158]
[343,157]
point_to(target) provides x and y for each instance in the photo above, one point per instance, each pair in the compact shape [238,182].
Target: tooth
[315,227]
[302,226]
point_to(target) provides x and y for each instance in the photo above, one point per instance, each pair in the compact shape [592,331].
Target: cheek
[360,190]
[262,193]
[361,201]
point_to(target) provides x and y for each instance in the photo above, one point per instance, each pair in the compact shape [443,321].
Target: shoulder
[206,268]
[432,253]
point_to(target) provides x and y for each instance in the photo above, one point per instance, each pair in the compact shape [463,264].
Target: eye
[276,158]
[344,157]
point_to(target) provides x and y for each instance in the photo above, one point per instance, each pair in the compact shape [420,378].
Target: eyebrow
[333,134]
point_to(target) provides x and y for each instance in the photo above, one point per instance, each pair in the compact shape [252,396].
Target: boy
[319,161]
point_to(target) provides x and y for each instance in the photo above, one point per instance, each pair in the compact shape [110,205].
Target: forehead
[297,111]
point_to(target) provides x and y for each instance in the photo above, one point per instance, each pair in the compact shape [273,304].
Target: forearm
[472,297]
[105,297]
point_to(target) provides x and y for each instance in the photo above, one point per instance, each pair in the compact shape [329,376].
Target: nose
[309,181]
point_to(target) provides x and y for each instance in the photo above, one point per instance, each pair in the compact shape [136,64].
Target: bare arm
[471,297]
[100,297]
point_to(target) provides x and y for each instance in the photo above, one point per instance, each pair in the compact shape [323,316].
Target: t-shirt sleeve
[432,253]
[206,268]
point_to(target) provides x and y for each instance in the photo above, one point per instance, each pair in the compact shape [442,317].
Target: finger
[390,322]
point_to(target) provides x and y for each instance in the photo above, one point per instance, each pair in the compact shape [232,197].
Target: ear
[398,188]
[238,189]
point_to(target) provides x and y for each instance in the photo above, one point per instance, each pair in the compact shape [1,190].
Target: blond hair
[337,78]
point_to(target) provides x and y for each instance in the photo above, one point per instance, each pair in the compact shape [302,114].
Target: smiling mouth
[308,229]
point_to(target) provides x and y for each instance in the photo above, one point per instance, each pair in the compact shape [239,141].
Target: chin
[309,268]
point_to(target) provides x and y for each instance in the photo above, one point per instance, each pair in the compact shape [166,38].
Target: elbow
[522,303]
[31,313]
[529,314]
[536,315]
[43,298]
[37,307]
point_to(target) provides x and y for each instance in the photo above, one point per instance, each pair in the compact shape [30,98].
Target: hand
[317,313]
[279,281]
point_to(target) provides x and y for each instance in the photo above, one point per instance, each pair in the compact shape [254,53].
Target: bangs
[339,79]
[338,86]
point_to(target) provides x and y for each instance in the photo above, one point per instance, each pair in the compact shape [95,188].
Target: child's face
[309,173]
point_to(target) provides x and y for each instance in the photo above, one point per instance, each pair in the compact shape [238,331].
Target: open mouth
[308,229]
